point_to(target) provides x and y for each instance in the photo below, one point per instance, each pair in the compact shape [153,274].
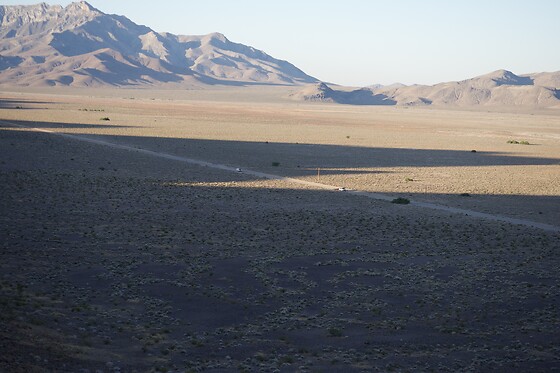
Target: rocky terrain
[321,92]
[119,260]
[42,45]
[78,45]
[499,88]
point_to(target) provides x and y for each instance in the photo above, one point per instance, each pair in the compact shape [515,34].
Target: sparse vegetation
[226,270]
[287,360]
[516,142]
[197,343]
[401,201]
[335,332]
[105,119]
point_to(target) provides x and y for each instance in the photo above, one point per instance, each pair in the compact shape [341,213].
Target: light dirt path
[223,167]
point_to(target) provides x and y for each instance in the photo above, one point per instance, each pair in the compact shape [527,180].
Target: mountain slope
[549,80]
[499,88]
[323,93]
[81,46]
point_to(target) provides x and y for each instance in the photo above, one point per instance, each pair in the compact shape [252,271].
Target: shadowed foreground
[115,261]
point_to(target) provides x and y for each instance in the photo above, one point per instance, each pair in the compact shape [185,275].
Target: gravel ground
[116,261]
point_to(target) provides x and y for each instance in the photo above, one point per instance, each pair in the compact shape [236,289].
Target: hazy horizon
[358,44]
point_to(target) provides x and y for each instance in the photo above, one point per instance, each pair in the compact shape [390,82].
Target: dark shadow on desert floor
[53,125]
[149,264]
[20,104]
[297,158]
[320,161]
[311,160]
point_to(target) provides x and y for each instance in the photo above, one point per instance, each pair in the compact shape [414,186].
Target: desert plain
[137,234]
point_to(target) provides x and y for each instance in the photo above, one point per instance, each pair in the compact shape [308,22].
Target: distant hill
[499,88]
[79,45]
[321,92]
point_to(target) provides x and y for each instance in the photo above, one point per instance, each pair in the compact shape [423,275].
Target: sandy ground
[418,153]
[118,261]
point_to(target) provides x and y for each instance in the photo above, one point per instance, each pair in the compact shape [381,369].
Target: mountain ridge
[79,45]
[497,88]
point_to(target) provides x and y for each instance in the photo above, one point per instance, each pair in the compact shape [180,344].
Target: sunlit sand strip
[471,213]
[376,196]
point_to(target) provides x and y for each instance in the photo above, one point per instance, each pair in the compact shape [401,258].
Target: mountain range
[499,88]
[79,45]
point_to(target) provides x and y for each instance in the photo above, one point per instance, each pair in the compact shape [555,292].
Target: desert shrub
[275,164]
[288,359]
[335,332]
[401,201]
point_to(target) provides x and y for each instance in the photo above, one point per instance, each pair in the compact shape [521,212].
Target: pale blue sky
[361,42]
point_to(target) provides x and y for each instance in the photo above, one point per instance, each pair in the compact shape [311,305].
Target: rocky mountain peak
[81,7]
[19,15]
[505,77]
[23,20]
[217,36]
[80,45]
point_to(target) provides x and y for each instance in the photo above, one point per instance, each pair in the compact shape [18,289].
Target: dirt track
[117,260]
